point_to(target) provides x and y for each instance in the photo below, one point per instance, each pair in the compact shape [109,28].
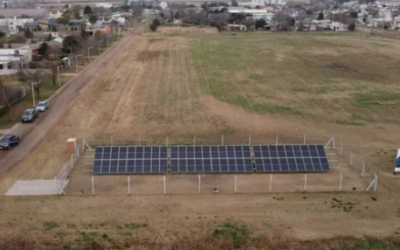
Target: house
[54,14]
[237,27]
[337,26]
[32,26]
[12,59]
[14,24]
[48,24]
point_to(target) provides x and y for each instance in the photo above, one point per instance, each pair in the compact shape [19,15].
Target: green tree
[70,43]
[28,34]
[320,16]
[93,19]
[43,49]
[260,23]
[2,34]
[234,3]
[351,27]
[87,10]
[353,14]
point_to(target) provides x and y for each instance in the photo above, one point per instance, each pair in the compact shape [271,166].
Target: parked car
[30,115]
[42,106]
[8,141]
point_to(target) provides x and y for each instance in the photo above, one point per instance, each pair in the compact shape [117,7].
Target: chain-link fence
[347,174]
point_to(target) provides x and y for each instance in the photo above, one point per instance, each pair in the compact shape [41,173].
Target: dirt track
[32,134]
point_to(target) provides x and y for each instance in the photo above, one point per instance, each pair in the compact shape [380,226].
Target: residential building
[12,25]
[11,59]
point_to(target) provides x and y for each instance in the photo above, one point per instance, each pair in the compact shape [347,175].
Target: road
[32,134]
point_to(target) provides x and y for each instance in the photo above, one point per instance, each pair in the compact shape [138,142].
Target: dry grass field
[191,82]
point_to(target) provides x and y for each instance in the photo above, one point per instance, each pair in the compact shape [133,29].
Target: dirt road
[32,134]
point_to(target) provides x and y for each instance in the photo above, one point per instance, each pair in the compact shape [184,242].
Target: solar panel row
[210,159]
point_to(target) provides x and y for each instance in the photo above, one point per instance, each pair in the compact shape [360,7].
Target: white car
[42,106]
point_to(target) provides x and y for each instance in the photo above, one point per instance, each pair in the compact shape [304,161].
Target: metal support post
[235,189]
[363,169]
[341,182]
[112,141]
[305,139]
[165,188]
[199,191]
[33,95]
[305,182]
[129,185]
[351,158]
[270,182]
[277,140]
[93,191]
[376,183]
[58,76]
[194,140]
[249,140]
[222,139]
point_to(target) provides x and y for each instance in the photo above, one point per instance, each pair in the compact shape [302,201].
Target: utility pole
[89,52]
[33,95]
[58,76]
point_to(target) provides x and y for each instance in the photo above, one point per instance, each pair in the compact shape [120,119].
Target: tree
[49,37]
[176,16]
[64,19]
[234,3]
[353,14]
[320,16]
[93,19]
[43,49]
[260,23]
[351,27]
[87,10]
[125,8]
[76,9]
[154,25]
[28,34]
[70,42]
[84,34]
[2,34]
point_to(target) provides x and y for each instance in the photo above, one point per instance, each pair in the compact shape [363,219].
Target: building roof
[30,25]
[12,12]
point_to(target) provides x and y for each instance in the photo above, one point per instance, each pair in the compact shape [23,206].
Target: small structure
[71,146]
[397,163]
[237,27]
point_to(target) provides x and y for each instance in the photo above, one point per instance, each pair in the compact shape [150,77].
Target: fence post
[165,188]
[305,139]
[140,141]
[112,142]
[199,191]
[129,185]
[167,141]
[222,139]
[249,140]
[351,158]
[341,149]
[277,140]
[56,183]
[340,182]
[376,183]
[270,182]
[363,169]
[235,188]
[194,140]
[305,182]
[93,191]
[333,142]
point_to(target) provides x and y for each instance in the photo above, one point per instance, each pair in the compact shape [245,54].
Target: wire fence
[61,180]
[348,172]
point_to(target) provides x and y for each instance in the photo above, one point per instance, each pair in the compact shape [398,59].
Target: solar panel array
[290,158]
[210,159]
[132,160]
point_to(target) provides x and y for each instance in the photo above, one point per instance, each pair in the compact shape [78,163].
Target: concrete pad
[35,187]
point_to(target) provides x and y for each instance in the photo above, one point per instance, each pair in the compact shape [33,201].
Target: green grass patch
[376,99]
[50,225]
[232,232]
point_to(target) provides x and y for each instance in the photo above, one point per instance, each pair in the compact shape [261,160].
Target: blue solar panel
[290,158]
[211,159]
[130,160]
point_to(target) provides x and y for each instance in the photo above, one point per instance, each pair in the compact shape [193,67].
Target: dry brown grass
[273,241]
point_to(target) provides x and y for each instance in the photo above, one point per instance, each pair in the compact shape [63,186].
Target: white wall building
[11,23]
[10,59]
